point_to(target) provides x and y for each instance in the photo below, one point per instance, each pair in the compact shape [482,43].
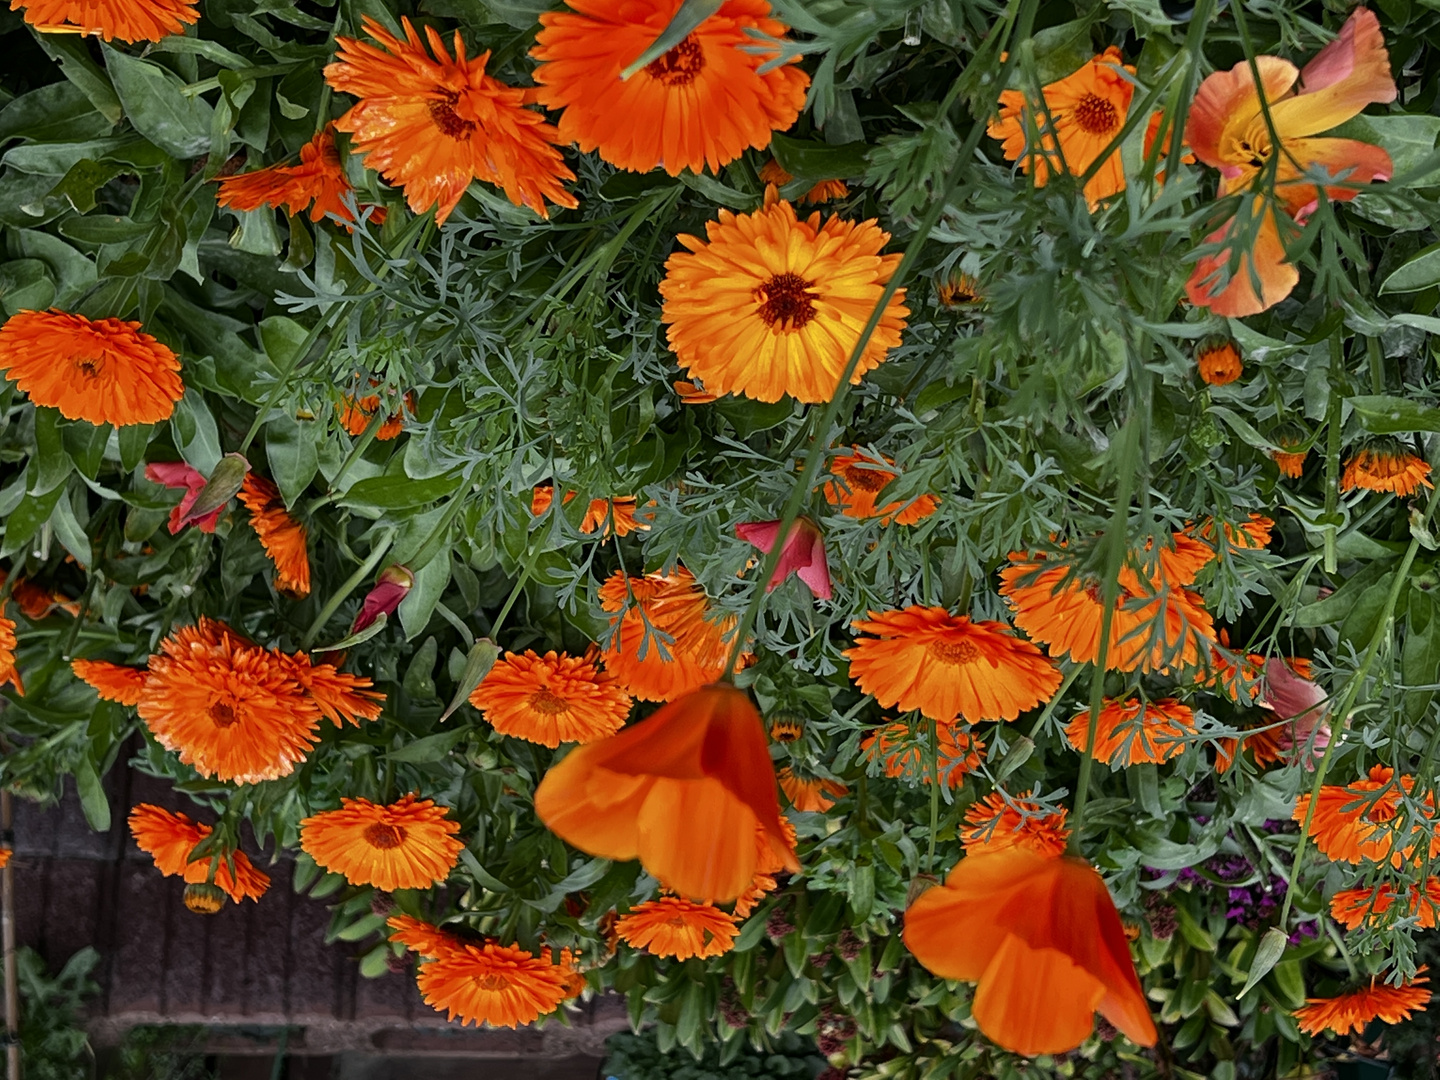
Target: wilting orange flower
[1252,534]
[284,539]
[356,414]
[813,796]
[551,699]
[113,682]
[431,125]
[409,844]
[1353,1012]
[703,103]
[863,479]
[1289,460]
[318,179]
[170,837]
[1043,940]
[600,513]
[1134,731]
[995,823]
[102,371]
[35,601]
[8,644]
[125,20]
[1389,468]
[949,667]
[1352,823]
[424,939]
[672,926]
[500,985]
[1229,129]
[772,172]
[958,752]
[683,790]
[770,305]
[1218,361]
[958,290]
[786,728]
[1352,907]
[692,393]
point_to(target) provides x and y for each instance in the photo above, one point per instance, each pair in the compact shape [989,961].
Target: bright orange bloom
[1352,907]
[424,939]
[683,790]
[318,179]
[6,854]
[995,824]
[1385,468]
[284,539]
[1353,1012]
[949,667]
[600,512]
[1182,559]
[170,837]
[8,644]
[551,699]
[703,103]
[409,844]
[356,414]
[35,601]
[769,305]
[958,752]
[1290,462]
[1043,940]
[672,926]
[113,682]
[1251,535]
[1352,823]
[958,290]
[813,796]
[499,985]
[1229,129]
[102,371]
[1135,731]
[863,480]
[125,20]
[1219,362]
[431,125]
[772,172]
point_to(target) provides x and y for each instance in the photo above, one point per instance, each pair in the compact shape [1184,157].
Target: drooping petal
[1227,104]
[1346,160]
[1264,263]
[1351,72]
[1036,1001]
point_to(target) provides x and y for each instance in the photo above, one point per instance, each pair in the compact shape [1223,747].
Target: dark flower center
[447,120]
[384,837]
[786,299]
[223,714]
[1096,116]
[491,982]
[871,480]
[956,653]
[680,66]
[546,701]
[90,367]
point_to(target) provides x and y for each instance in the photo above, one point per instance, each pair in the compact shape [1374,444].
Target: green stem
[934,792]
[351,583]
[1054,702]
[525,572]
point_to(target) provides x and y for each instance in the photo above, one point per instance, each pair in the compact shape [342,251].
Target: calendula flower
[1218,361]
[170,837]
[102,371]
[786,728]
[1132,731]
[176,474]
[317,183]
[1253,534]
[384,597]
[356,414]
[861,480]
[705,102]
[1043,940]
[957,290]
[802,553]
[499,985]
[672,926]
[1353,1012]
[1353,907]
[409,844]
[604,514]
[1387,467]
[1289,456]
[284,539]
[123,20]
[693,393]
[112,682]
[772,172]
[551,699]
[683,790]
[35,601]
[8,644]
[956,754]
[949,667]
[432,123]
[813,796]
[769,305]
[1229,129]
[425,939]
[1358,821]
[996,823]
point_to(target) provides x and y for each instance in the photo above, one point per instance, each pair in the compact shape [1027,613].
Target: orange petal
[1226,105]
[1351,72]
[1035,1001]
[1347,160]
[1265,264]
[717,865]
[594,809]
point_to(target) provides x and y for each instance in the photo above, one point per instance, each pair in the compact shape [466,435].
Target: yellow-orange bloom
[1219,362]
[1353,907]
[1289,461]
[9,673]
[1353,1012]
[170,837]
[1134,731]
[958,752]
[813,796]
[949,667]
[499,985]
[425,939]
[102,371]
[432,123]
[409,844]
[703,103]
[862,479]
[1353,823]
[772,172]
[356,414]
[600,513]
[551,699]
[113,682]
[319,179]
[672,926]
[769,305]
[958,289]
[1386,468]
[123,20]
[1042,939]
[995,823]
[284,539]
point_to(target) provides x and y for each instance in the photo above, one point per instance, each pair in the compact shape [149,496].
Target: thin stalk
[351,583]
[934,792]
[525,572]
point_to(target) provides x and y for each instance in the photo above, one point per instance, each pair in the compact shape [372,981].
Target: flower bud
[204,898]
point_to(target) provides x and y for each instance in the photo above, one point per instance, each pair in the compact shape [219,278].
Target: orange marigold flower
[1384,467]
[6,854]
[672,926]
[170,837]
[356,414]
[1251,535]
[1352,1013]
[102,371]
[409,844]
[284,539]
[1182,559]
[693,393]
[958,289]
[786,728]
[949,667]
[431,125]
[996,823]
[8,644]
[772,172]
[1218,361]
[499,985]
[1135,731]
[551,699]
[1043,940]
[813,796]
[1352,907]
[683,790]
[762,886]
[431,942]
[1290,462]
[703,103]
[958,752]
[35,601]
[600,512]
[1358,821]
[113,682]
[318,179]
[863,479]
[125,20]
[769,305]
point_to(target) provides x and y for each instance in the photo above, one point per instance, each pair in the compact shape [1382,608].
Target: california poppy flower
[356,414]
[123,20]
[1228,129]
[1386,467]
[1133,731]
[431,123]
[170,837]
[1043,940]
[384,597]
[1352,1013]
[705,102]
[1359,821]
[957,753]
[619,513]
[673,926]
[551,699]
[113,682]
[176,474]
[8,644]
[499,985]
[673,605]
[772,172]
[284,539]
[861,480]
[996,823]
[318,182]
[949,667]
[813,796]
[102,371]
[409,844]
[1218,361]
[683,790]
[1353,907]
[802,553]
[769,305]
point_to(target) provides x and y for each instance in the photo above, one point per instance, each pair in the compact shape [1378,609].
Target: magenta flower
[176,474]
[802,553]
[1304,703]
[389,589]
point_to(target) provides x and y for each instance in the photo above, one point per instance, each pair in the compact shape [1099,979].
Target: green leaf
[134,439]
[1420,653]
[818,161]
[157,105]
[59,112]
[1409,139]
[25,284]
[419,603]
[1383,414]
[92,795]
[429,749]
[1420,271]
[52,463]
[73,55]
[398,492]
[196,436]
[690,14]
[1267,955]
[478,662]
[860,884]
[293,450]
